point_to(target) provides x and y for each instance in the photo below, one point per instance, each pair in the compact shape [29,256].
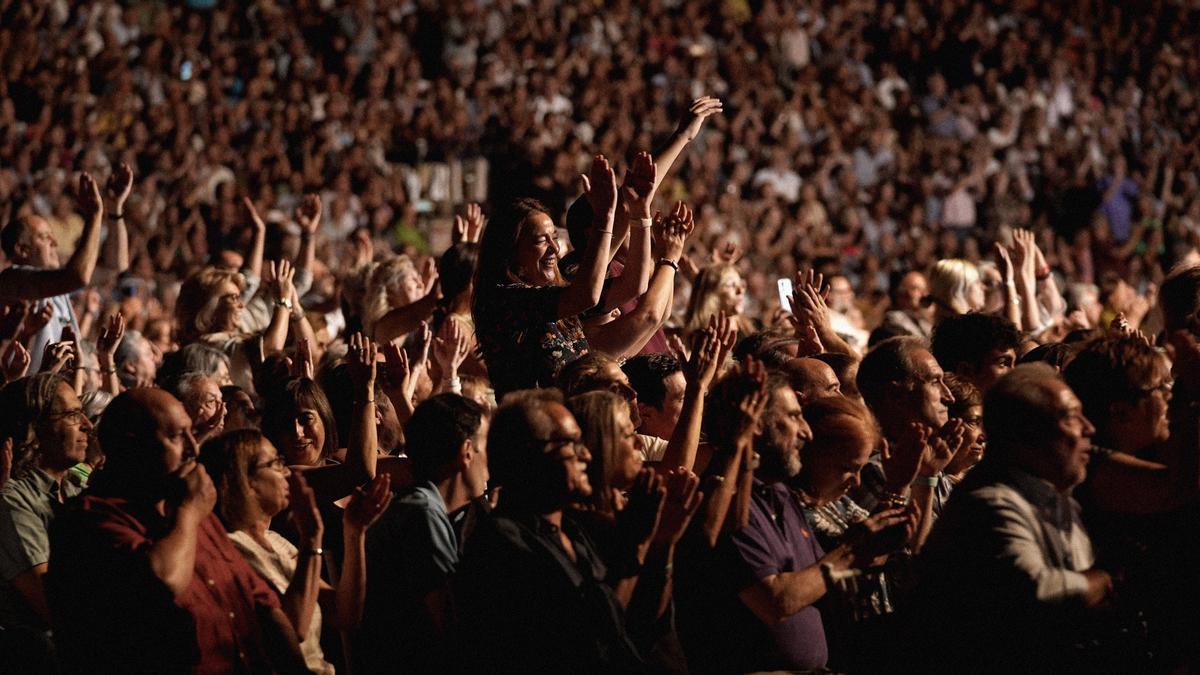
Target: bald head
[812,379]
[145,433]
[28,240]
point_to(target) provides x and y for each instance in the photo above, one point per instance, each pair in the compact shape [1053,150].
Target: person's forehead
[64,398]
[925,362]
[1064,399]
[539,223]
[675,382]
[784,400]
[562,422]
[168,413]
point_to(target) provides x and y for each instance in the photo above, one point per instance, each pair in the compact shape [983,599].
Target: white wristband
[453,385]
[644,223]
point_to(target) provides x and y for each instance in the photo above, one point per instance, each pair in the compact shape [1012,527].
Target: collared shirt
[27,506]
[411,552]
[526,604]
[116,614]
[1008,544]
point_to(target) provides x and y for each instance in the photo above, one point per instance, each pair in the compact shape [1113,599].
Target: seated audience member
[764,579]
[909,313]
[135,361]
[193,358]
[659,382]
[811,379]
[531,591]
[905,388]
[50,433]
[167,591]
[414,551]
[955,288]
[968,408]
[253,486]
[1011,543]
[201,398]
[979,348]
[845,367]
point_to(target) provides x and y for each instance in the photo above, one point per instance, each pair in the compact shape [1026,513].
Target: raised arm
[280,291]
[689,127]
[365,507]
[254,258]
[628,333]
[308,217]
[34,284]
[600,187]
[699,373]
[636,195]
[116,245]
[300,600]
[363,449]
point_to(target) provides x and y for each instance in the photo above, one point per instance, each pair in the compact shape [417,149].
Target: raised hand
[942,447]
[672,231]
[754,403]
[468,228]
[701,368]
[302,366]
[884,532]
[256,219]
[902,460]
[429,275]
[36,321]
[451,346]
[683,497]
[366,505]
[120,183]
[729,253]
[600,187]
[306,517]
[278,280]
[638,190]
[211,425]
[57,356]
[395,366]
[14,361]
[700,110]
[308,214]
[361,358]
[91,204]
[808,303]
[111,335]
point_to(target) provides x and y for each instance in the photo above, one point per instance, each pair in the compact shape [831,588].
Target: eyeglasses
[72,416]
[1164,388]
[575,445]
[277,463]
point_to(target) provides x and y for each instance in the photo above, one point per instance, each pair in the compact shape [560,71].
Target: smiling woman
[526,316]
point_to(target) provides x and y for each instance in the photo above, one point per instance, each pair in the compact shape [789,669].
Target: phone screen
[785,293]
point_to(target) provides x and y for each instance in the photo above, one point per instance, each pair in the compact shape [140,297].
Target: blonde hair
[198,299]
[596,412]
[384,277]
[705,301]
[949,282]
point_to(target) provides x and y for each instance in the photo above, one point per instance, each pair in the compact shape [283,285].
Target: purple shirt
[776,540]
[1119,208]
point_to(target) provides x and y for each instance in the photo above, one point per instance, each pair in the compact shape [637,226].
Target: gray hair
[128,350]
[889,362]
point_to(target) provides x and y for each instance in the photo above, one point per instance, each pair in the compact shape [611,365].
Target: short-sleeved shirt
[117,615]
[411,552]
[777,540]
[27,506]
[62,315]
[277,565]
[719,632]
[524,342]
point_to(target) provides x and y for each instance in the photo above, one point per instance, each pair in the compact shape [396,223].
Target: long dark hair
[498,249]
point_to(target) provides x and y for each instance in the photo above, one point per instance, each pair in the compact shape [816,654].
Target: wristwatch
[285,303]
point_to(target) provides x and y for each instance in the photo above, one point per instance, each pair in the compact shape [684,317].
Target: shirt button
[232,615]
[242,655]
[212,582]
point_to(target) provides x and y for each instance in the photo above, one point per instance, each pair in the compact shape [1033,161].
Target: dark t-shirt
[524,342]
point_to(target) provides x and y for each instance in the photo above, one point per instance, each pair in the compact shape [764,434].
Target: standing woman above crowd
[526,316]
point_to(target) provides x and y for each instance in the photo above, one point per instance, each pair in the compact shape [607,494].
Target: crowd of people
[678,336]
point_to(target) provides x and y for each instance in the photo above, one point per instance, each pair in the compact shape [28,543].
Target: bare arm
[776,597]
[116,255]
[30,585]
[689,128]
[364,509]
[280,290]
[363,449]
[308,216]
[633,217]
[29,284]
[586,288]
[300,601]
[254,259]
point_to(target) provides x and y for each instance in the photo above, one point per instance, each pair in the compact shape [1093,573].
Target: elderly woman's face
[537,250]
[228,314]
[407,290]
[976,295]
[268,479]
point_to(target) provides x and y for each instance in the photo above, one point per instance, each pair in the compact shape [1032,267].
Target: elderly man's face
[38,246]
[64,433]
[566,456]
[929,395]
[784,432]
[1064,456]
[172,433]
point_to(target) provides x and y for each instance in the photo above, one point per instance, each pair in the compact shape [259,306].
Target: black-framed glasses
[574,444]
[1163,388]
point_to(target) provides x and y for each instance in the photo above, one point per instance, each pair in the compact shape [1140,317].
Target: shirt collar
[435,497]
[40,481]
[1053,504]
